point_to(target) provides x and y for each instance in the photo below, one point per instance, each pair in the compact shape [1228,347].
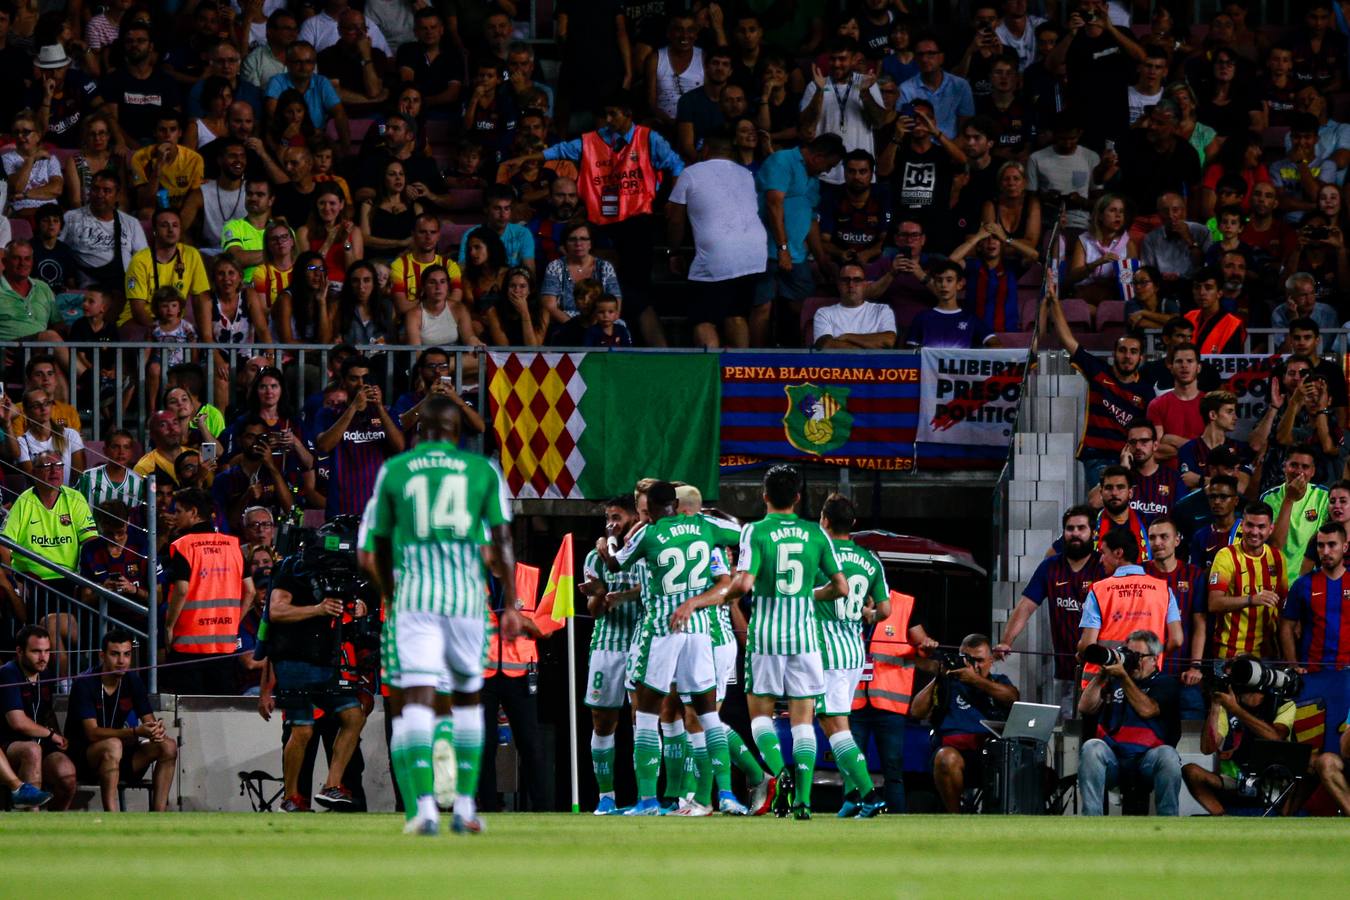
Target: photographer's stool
[254,784]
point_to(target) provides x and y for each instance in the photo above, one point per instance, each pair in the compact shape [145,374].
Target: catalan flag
[557,605]
[575,426]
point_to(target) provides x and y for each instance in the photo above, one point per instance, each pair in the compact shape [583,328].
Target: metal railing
[78,623]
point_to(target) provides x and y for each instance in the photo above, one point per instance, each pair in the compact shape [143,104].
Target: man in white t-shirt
[1148,90]
[1017,30]
[717,196]
[853,323]
[843,102]
[1063,173]
[90,232]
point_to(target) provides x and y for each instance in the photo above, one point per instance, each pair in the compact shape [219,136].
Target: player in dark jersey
[1116,395]
[1156,487]
[1117,492]
[1218,409]
[1064,579]
[1187,582]
[1315,620]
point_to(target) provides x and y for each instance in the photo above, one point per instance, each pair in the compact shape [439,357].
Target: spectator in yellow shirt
[165,164]
[165,263]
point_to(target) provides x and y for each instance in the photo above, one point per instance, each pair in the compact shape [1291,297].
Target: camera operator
[962,693]
[1138,724]
[1235,722]
[313,592]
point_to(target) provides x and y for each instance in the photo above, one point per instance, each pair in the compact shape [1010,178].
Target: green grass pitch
[240,855]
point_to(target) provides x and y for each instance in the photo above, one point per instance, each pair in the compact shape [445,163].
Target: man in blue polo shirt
[788,184]
[950,94]
[320,98]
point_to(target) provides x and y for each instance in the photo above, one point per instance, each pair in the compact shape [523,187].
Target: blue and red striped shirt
[1187,583]
[1056,580]
[356,462]
[991,295]
[1154,494]
[1318,603]
[1111,406]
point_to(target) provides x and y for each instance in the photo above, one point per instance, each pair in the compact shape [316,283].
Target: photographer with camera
[1251,702]
[1138,724]
[317,595]
[963,692]
[1125,601]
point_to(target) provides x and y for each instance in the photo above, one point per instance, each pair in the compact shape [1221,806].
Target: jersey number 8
[850,608]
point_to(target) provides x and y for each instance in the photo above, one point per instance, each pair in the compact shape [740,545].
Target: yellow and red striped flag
[558,604]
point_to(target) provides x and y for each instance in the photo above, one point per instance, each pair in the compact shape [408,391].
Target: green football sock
[766,739]
[468,732]
[803,762]
[851,761]
[445,730]
[673,751]
[646,755]
[703,769]
[398,755]
[744,757]
[689,784]
[418,721]
[719,757]
[602,762]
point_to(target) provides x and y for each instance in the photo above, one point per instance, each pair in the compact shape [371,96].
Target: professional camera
[1102,655]
[1247,675]
[952,660]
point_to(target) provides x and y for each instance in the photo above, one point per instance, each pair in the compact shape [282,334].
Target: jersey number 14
[447,511]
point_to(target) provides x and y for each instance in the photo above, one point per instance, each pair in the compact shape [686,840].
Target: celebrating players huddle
[665,599]
[809,587]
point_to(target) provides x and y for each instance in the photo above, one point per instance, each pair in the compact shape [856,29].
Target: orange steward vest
[209,622]
[616,186]
[892,658]
[1129,603]
[511,658]
[1218,336]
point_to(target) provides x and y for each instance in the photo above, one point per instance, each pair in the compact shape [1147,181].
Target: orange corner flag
[558,603]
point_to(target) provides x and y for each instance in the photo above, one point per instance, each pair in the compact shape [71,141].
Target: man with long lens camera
[963,692]
[1138,724]
[1251,702]
[319,603]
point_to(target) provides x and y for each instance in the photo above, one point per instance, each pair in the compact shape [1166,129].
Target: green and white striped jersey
[98,487]
[679,555]
[436,504]
[839,622]
[614,630]
[785,553]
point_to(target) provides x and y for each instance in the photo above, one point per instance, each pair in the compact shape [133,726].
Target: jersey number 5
[448,511]
[791,574]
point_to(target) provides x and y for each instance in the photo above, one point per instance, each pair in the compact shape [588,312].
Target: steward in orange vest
[1126,601]
[617,181]
[507,689]
[1216,331]
[889,685]
[207,599]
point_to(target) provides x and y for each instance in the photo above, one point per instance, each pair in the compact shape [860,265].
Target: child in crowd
[607,330]
[466,162]
[170,328]
[572,333]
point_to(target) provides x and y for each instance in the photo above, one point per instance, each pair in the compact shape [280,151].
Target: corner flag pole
[572,711]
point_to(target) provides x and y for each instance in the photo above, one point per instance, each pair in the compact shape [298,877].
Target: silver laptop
[1026,721]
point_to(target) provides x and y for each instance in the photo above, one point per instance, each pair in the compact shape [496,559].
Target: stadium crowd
[818,174]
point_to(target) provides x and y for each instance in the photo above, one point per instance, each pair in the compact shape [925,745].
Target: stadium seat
[808,323]
[358,128]
[906,310]
[1014,339]
[1078,313]
[438,131]
[20,230]
[451,234]
[464,199]
[1033,276]
[1111,313]
[1272,139]
[1028,305]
